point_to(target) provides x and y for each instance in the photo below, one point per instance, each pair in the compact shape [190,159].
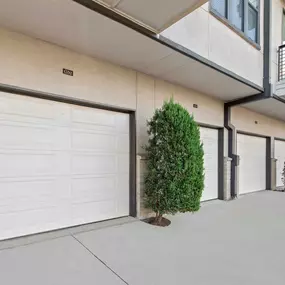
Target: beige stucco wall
[37,65]
[203,33]
[244,120]
[152,93]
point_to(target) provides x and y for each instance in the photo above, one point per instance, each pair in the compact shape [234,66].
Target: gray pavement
[225,243]
[58,261]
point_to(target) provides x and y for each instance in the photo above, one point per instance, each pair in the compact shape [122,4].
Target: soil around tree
[164,222]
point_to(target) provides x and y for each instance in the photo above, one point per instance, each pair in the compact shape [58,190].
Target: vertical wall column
[270,164]
[142,212]
[225,172]
[227,178]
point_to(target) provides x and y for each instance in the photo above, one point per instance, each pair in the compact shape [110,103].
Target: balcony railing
[281,63]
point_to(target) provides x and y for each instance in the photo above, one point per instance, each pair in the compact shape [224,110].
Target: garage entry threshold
[30,239]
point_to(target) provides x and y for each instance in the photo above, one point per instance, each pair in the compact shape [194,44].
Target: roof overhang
[273,107]
[155,15]
[81,29]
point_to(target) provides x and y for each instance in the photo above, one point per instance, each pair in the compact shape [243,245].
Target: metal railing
[281,63]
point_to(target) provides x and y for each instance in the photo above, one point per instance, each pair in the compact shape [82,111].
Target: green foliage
[175,165]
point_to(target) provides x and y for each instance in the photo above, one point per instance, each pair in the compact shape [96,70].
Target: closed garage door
[209,137]
[280,156]
[252,168]
[60,165]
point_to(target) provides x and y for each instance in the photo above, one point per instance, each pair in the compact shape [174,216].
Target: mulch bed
[164,222]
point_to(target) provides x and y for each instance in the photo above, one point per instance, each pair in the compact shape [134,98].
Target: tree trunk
[158,219]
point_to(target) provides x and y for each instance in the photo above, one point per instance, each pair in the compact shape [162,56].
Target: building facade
[79,80]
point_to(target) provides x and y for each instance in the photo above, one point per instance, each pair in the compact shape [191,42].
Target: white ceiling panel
[166,64]
[200,77]
[154,14]
[269,107]
[68,24]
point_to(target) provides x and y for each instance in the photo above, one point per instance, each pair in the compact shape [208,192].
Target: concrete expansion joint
[94,255]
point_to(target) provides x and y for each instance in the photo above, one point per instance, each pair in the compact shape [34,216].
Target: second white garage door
[60,165]
[252,168]
[209,137]
[280,156]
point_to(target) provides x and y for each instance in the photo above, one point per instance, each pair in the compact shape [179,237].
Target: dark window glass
[219,6]
[236,13]
[254,3]
[241,14]
[283,28]
[252,23]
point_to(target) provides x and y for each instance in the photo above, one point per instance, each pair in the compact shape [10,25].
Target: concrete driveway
[226,243]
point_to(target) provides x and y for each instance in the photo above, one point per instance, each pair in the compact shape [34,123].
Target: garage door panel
[88,118]
[60,165]
[86,189]
[37,195]
[118,124]
[32,113]
[122,123]
[122,143]
[209,137]
[34,138]
[88,163]
[122,206]
[23,137]
[85,212]
[122,182]
[33,221]
[93,128]
[26,108]
[26,164]
[252,168]
[123,165]
[93,141]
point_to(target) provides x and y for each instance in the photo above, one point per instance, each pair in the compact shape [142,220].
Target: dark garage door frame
[15,90]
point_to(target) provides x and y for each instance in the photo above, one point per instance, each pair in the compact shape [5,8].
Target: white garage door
[60,165]
[280,156]
[209,137]
[252,168]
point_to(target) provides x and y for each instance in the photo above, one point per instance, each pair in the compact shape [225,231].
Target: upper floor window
[283,27]
[242,14]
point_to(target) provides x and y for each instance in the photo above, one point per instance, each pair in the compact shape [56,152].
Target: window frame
[243,31]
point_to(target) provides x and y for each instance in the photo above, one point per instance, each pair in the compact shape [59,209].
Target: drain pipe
[267,49]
